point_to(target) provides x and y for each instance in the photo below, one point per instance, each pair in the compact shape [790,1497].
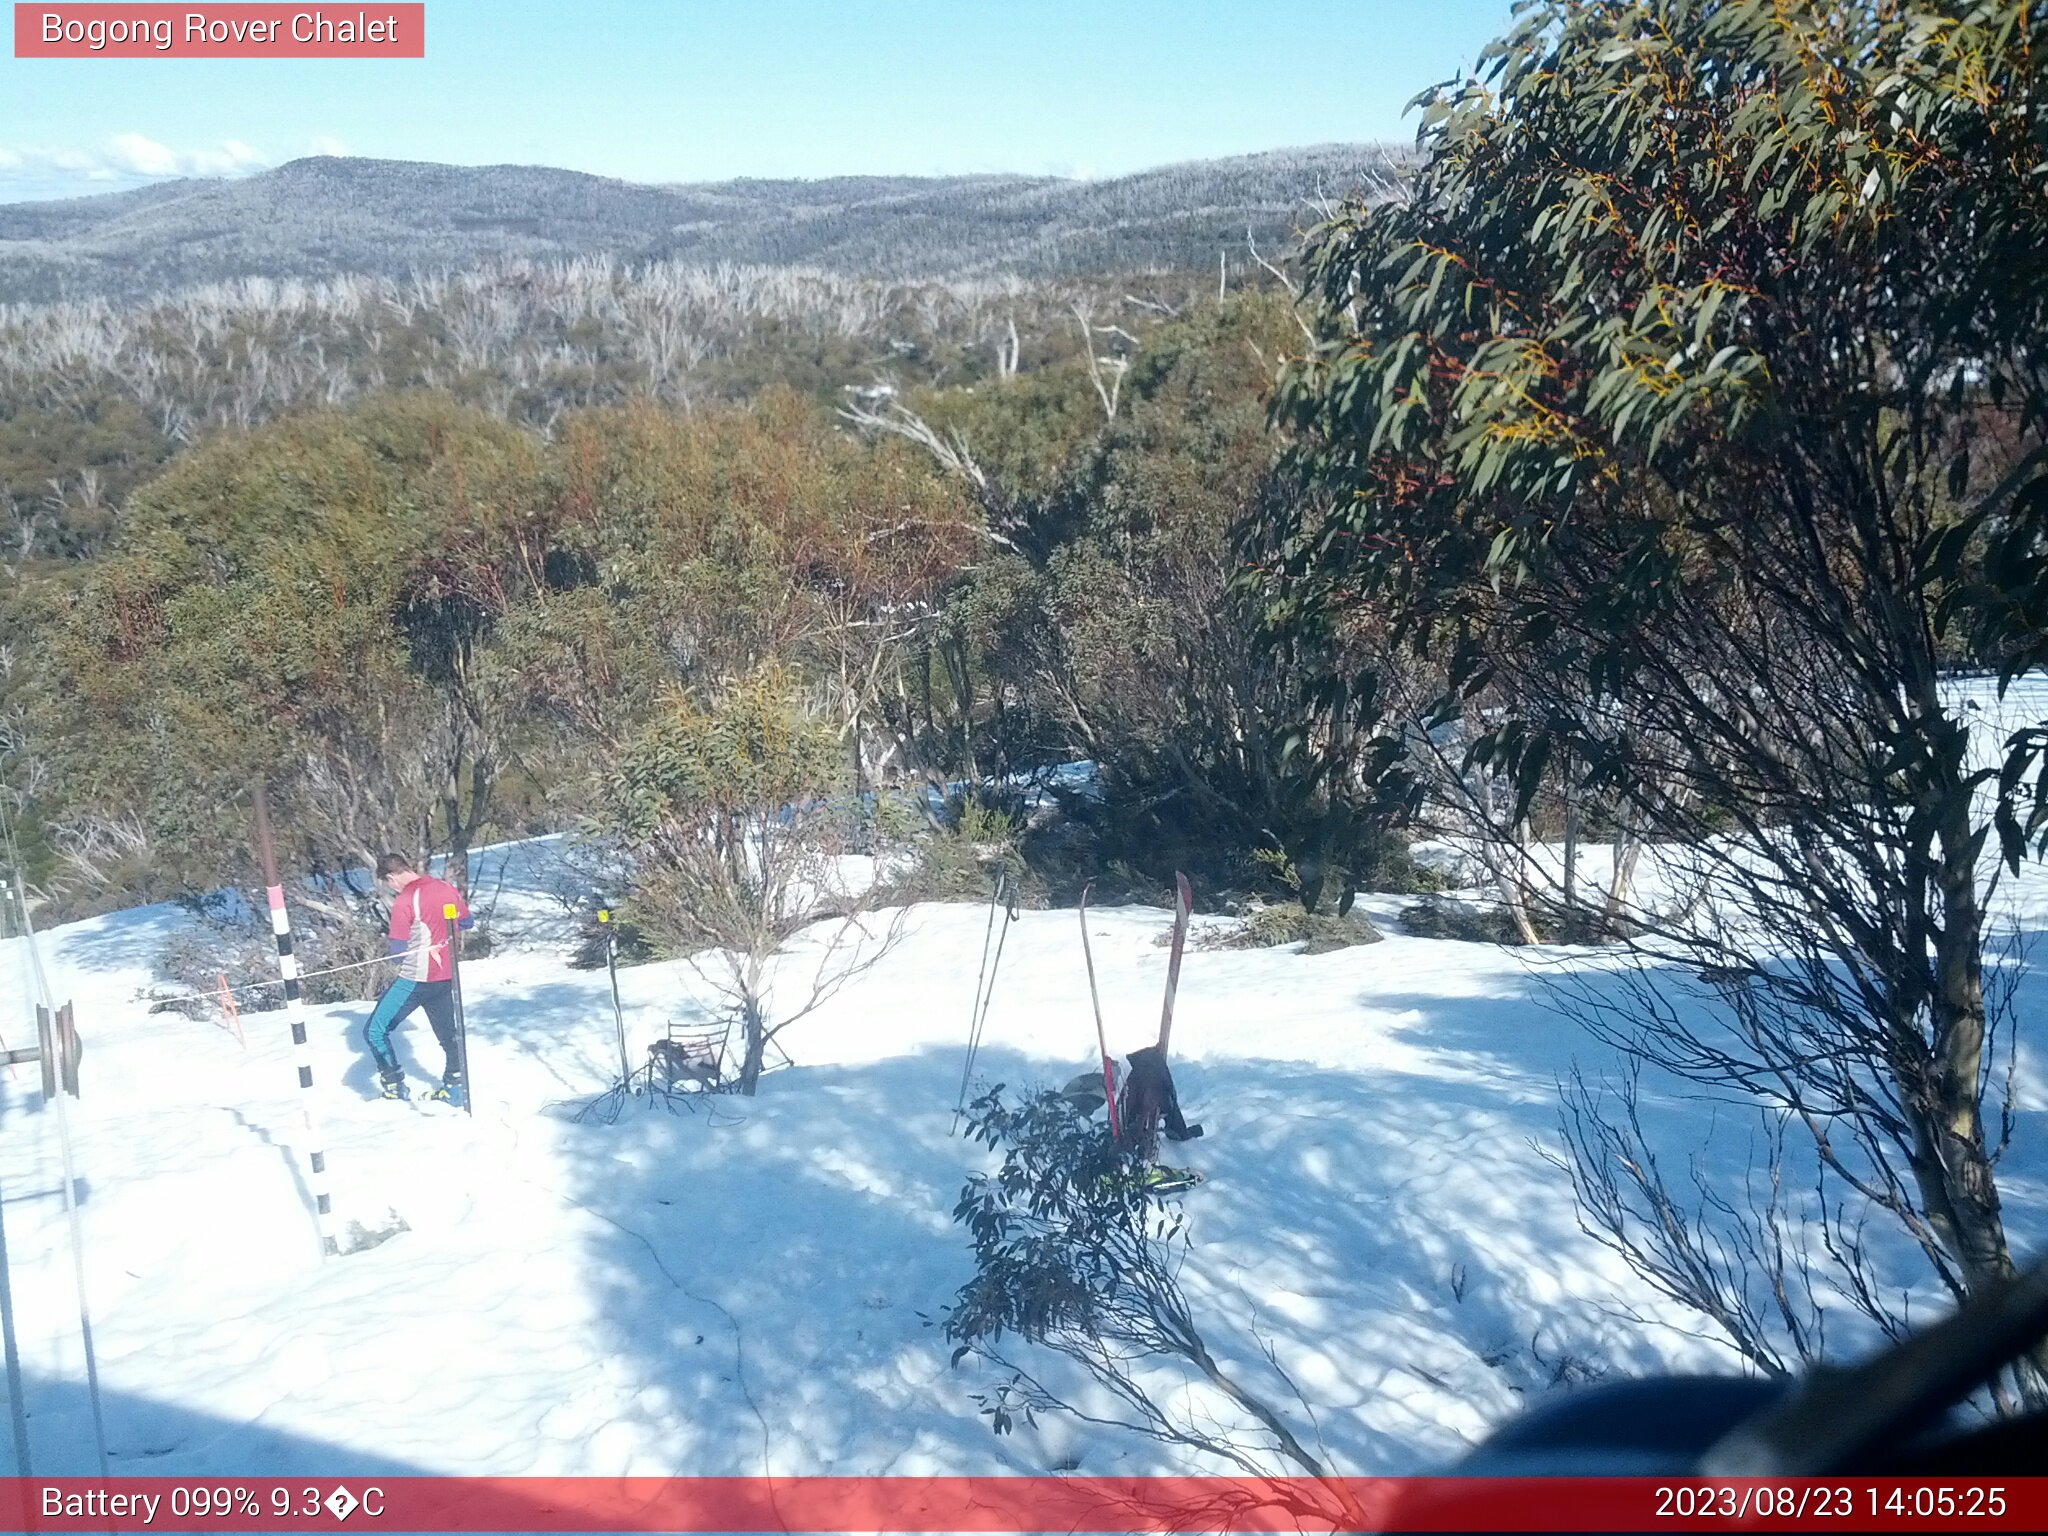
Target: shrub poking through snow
[1484,922]
[1442,917]
[957,859]
[229,936]
[1290,923]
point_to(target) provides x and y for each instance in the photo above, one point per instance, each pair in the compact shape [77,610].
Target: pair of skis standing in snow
[1146,1099]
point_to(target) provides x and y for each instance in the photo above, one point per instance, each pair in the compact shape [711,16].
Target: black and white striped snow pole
[295,1014]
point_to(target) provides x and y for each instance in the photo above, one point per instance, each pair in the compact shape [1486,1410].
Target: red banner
[1005,1504]
[111,31]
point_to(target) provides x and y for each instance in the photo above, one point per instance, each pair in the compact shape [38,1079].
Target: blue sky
[695,90]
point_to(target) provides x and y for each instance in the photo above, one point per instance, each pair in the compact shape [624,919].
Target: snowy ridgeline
[746,1289]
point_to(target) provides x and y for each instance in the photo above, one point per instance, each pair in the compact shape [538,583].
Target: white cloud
[126,159]
[142,157]
[328,144]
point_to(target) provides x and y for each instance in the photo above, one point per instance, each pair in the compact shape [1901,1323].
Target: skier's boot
[392,1085]
[1152,1179]
[1163,1180]
[450,1092]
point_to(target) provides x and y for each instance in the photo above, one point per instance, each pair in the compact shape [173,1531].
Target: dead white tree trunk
[950,448]
[1105,373]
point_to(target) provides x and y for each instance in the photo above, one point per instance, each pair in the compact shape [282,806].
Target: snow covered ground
[747,1289]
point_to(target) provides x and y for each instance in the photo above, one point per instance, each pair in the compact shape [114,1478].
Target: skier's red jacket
[419,929]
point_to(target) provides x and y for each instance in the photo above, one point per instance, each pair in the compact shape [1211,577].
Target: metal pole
[15,1399]
[295,1013]
[453,915]
[611,963]
[12,851]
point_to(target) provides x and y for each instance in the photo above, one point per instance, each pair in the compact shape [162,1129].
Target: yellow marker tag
[603,915]
[448,911]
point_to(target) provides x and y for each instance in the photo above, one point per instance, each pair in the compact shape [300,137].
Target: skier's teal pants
[437,998]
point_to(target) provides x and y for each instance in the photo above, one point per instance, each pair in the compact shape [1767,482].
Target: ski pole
[977,1012]
[448,911]
[995,963]
[1116,1129]
[611,964]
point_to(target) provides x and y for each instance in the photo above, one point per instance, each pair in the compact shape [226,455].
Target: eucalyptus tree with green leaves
[300,602]
[1692,404]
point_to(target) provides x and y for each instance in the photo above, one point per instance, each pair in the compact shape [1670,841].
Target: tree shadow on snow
[147,1438]
[811,1228]
[767,1266]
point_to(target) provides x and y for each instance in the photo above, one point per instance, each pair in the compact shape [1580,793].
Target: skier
[424,949]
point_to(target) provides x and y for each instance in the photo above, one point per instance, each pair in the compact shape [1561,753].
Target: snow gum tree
[1679,405]
[739,821]
[284,602]
[1075,1257]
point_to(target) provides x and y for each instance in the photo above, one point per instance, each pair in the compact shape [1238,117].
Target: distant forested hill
[324,217]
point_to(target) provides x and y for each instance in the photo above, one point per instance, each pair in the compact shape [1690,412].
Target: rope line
[212,994]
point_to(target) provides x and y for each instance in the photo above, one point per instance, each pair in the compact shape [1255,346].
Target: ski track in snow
[745,1288]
